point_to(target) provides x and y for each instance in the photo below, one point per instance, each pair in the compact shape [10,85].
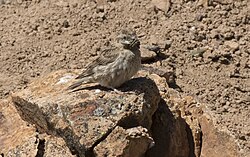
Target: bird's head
[128,39]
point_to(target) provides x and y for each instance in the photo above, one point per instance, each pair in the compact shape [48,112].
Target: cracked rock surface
[145,118]
[20,138]
[86,117]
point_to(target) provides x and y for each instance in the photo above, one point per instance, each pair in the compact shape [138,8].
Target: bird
[113,67]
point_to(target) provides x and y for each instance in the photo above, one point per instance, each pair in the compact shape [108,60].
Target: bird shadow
[93,87]
[137,85]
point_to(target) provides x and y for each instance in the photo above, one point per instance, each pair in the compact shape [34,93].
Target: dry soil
[206,44]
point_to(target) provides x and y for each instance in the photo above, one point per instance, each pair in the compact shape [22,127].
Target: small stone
[238,53]
[198,52]
[242,138]
[62,4]
[65,24]
[229,35]
[214,33]
[154,48]
[146,54]
[167,44]
[204,3]
[163,5]
[101,2]
[100,9]
[199,17]
[233,45]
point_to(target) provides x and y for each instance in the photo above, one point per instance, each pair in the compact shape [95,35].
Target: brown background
[37,37]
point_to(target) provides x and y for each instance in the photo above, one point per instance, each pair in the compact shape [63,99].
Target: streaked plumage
[115,66]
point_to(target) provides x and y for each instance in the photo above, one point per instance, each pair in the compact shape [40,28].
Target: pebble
[163,5]
[167,44]
[97,91]
[233,45]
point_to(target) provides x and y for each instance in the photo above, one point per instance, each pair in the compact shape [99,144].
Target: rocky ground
[204,43]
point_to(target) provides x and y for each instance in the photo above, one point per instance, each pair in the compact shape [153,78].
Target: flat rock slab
[85,117]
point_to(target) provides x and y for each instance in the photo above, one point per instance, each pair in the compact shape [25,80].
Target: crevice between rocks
[126,123]
[72,141]
[40,148]
[90,152]
[200,140]
[190,142]
[171,133]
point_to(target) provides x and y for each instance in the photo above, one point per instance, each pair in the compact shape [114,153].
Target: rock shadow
[171,134]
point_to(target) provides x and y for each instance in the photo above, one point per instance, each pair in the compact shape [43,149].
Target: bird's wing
[106,57]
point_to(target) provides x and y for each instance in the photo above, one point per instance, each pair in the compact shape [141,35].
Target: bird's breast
[121,70]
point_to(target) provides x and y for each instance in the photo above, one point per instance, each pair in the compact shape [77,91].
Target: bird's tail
[74,85]
[79,83]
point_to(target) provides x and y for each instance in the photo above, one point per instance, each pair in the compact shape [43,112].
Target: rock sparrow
[115,66]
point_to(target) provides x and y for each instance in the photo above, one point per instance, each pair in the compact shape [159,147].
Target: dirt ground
[207,47]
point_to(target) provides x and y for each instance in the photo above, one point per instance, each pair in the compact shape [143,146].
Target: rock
[214,140]
[204,3]
[229,35]
[101,2]
[158,45]
[140,120]
[86,117]
[122,142]
[102,6]
[169,134]
[234,46]
[198,52]
[167,44]
[16,135]
[223,2]
[162,75]
[163,5]
[65,24]
[55,147]
[199,17]
[208,139]
[147,55]
[155,48]
[19,137]
[215,33]
[62,4]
